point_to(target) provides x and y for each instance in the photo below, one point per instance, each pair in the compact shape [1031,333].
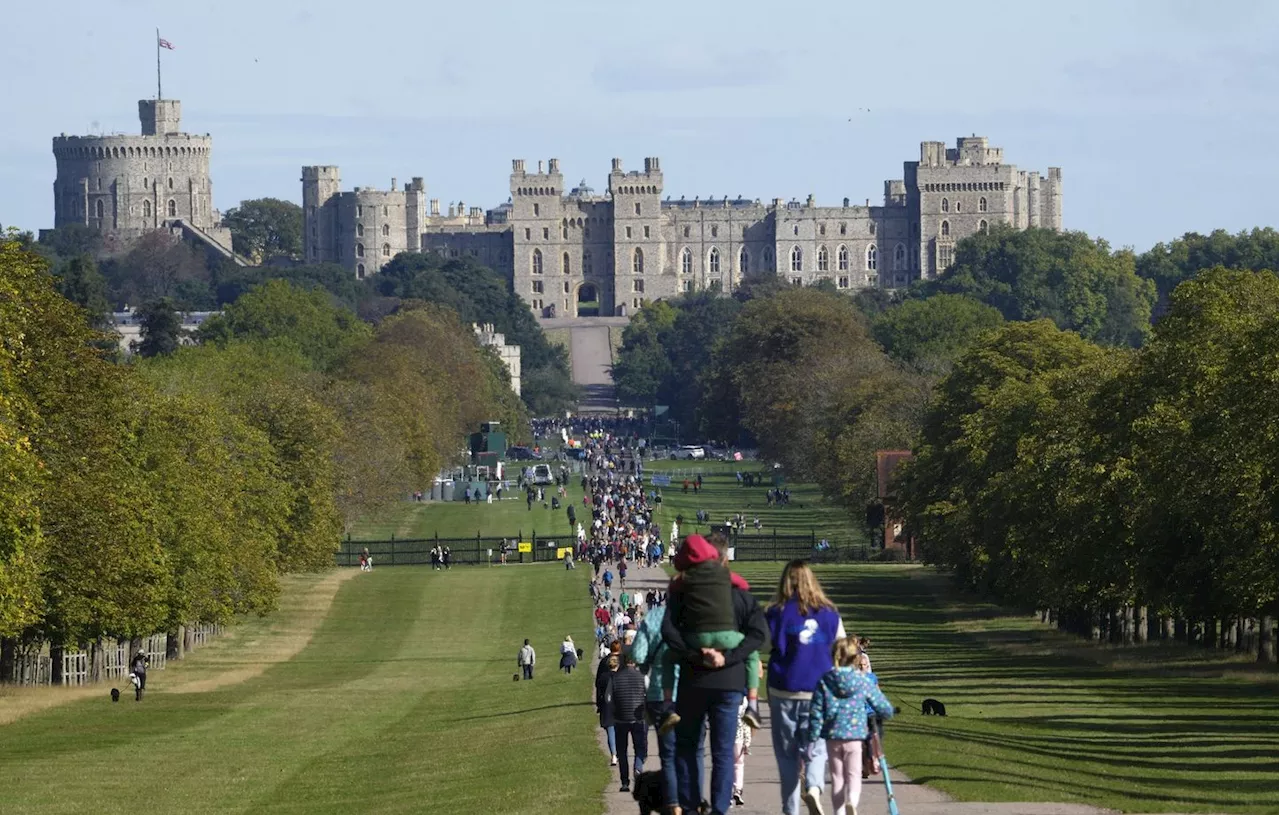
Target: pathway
[761,792]
[592,360]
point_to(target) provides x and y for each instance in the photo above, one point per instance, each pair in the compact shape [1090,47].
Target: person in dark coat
[604,697]
[628,719]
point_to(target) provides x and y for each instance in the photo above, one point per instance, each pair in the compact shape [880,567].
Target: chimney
[393,183]
[539,166]
[809,202]
[517,165]
[846,202]
[435,207]
[553,165]
[617,165]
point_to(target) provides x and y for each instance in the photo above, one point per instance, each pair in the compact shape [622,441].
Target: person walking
[803,626]
[604,697]
[138,674]
[628,720]
[526,659]
[711,688]
[568,655]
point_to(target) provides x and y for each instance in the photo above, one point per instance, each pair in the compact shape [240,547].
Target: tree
[1077,282]
[265,228]
[161,328]
[159,265]
[80,282]
[1167,265]
[346,290]
[305,318]
[928,335]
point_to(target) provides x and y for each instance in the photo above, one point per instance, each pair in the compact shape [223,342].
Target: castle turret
[320,185]
[637,236]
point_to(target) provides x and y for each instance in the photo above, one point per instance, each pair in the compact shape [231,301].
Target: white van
[541,474]
[689,451]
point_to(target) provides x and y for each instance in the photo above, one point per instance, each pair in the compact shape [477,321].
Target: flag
[166,44]
[737,456]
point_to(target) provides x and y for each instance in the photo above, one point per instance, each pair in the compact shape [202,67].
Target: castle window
[982,205]
[97,208]
[537,287]
[564,264]
[564,232]
[385,212]
[797,282]
[637,286]
[768,259]
[536,210]
[873,280]
[822,229]
[982,227]
[628,232]
[871,227]
[795,230]
[686,231]
[546,233]
[637,207]
[713,261]
[797,259]
[646,231]
[386,230]
[359,230]
[386,250]
[871,257]
[537,261]
[170,182]
[586,232]
[945,229]
[744,261]
[586,263]
[173,208]
[957,206]
[528,234]
[686,261]
[715,231]
[842,282]
[843,229]
[360,271]
[915,229]
[899,257]
[144,186]
[686,286]
[637,262]
[359,250]
[946,205]
[824,262]
[566,287]
[842,259]
[359,211]
[146,209]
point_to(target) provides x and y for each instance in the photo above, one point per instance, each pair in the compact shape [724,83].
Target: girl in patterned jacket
[838,713]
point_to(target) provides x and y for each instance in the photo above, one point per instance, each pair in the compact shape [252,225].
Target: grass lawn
[401,702]
[1038,716]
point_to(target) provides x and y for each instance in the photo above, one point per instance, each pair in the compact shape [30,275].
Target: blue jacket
[801,646]
[839,706]
[649,649]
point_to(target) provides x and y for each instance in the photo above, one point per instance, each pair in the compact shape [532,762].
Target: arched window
[386,230]
[637,261]
[97,208]
[686,261]
[946,205]
[871,258]
[946,229]
[537,261]
[797,259]
[686,231]
[982,205]
[360,270]
[359,250]
[744,261]
[957,205]
[586,263]
[982,227]
[842,259]
[564,264]
[170,182]
[359,230]
[173,208]
[715,232]
[713,261]
[823,260]
[899,257]
[146,209]
[386,250]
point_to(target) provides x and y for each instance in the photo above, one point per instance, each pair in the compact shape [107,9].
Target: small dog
[932,707]
[647,791]
[115,694]
[579,653]
[515,677]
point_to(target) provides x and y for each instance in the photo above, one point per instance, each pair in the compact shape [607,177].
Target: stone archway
[587,300]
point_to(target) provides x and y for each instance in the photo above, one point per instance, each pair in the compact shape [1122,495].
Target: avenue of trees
[177,489]
[1074,453]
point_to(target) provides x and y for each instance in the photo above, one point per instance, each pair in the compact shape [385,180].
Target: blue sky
[1163,115]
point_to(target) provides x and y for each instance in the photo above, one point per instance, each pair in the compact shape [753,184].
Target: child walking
[838,713]
[706,588]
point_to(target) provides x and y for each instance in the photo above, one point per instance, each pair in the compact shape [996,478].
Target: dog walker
[884,771]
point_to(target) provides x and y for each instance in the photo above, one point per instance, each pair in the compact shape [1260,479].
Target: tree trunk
[1242,634]
[173,644]
[1266,647]
[8,657]
[1167,628]
[188,638]
[1141,633]
[1126,624]
[97,654]
[1230,630]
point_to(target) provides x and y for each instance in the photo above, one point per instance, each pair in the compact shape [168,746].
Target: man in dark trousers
[628,719]
[711,688]
[138,668]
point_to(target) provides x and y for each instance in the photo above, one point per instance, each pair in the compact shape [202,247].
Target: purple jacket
[801,646]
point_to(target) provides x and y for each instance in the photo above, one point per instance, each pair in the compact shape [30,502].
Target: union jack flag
[166,44]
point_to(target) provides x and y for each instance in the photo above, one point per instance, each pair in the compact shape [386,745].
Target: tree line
[1041,369]
[177,489]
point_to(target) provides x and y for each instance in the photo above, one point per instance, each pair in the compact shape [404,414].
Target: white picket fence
[34,666]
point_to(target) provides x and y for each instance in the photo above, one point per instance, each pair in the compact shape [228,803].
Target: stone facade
[570,250]
[509,354]
[125,186]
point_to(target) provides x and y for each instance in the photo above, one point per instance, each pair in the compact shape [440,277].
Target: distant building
[509,354]
[895,536]
[573,252]
[129,327]
[125,186]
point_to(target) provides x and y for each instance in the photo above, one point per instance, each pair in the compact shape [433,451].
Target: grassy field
[1038,716]
[401,702]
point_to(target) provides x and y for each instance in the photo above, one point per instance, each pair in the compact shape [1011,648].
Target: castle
[579,253]
[125,186]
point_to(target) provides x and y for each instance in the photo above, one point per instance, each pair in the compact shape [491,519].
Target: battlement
[547,181]
[160,117]
[318,172]
[969,151]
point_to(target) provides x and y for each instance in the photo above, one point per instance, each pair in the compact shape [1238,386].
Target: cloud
[684,70]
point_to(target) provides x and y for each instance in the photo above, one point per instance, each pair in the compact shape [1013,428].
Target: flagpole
[159,94]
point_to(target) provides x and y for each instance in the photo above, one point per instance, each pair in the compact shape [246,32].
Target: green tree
[161,328]
[159,265]
[643,363]
[265,228]
[1076,281]
[80,282]
[928,335]
[305,318]
[1167,265]
[345,288]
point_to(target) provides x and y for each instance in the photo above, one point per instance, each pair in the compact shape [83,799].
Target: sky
[1163,115]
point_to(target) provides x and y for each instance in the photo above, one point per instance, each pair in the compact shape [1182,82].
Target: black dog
[515,677]
[115,694]
[932,707]
[647,791]
[579,653]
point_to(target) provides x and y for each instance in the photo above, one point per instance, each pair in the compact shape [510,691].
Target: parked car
[689,452]
[521,454]
[541,474]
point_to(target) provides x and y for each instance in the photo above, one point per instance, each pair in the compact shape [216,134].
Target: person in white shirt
[526,659]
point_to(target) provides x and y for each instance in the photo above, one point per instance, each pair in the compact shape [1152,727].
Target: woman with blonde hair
[568,655]
[803,626]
